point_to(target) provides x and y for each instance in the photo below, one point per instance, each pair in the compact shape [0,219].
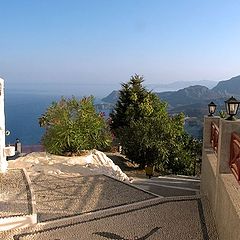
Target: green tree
[73,125]
[146,131]
[130,106]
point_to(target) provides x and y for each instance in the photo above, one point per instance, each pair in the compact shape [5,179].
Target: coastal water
[22,110]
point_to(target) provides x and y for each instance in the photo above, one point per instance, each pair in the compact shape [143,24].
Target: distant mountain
[192,100]
[190,95]
[174,86]
[229,87]
[112,97]
[194,94]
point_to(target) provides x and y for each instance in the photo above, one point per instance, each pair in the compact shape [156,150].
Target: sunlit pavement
[100,207]
[169,186]
[180,218]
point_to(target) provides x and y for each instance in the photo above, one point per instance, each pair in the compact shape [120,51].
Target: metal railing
[234,161]
[32,148]
[214,136]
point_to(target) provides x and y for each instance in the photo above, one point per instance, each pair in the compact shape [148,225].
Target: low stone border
[17,201]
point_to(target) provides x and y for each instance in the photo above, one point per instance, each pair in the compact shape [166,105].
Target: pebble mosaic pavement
[99,207]
[180,219]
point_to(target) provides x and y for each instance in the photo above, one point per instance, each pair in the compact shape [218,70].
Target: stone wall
[217,182]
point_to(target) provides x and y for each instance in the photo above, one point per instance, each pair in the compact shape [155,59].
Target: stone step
[17,222]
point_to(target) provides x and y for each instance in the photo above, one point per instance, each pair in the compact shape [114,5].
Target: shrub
[73,125]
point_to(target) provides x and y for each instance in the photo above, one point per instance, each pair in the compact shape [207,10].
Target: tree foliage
[148,134]
[73,125]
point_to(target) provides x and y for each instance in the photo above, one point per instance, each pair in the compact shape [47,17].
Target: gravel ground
[181,219]
[14,194]
[59,196]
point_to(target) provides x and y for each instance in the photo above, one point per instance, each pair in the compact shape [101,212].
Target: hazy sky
[92,46]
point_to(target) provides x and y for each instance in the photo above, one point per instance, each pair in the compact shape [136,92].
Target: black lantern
[232,105]
[211,108]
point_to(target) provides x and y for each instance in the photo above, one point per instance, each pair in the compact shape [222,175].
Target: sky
[92,46]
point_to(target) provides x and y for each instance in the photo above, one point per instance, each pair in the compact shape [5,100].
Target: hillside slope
[190,95]
[229,87]
[193,94]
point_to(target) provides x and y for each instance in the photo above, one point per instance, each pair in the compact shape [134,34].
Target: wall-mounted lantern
[231,105]
[211,108]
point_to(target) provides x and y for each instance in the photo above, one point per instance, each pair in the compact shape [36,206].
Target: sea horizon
[22,110]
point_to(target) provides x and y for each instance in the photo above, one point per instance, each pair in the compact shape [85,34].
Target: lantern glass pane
[227,109]
[212,109]
[233,108]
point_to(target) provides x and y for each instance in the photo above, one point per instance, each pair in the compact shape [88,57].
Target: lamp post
[231,105]
[211,108]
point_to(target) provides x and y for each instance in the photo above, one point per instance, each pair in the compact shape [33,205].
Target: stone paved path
[169,186]
[99,207]
[58,196]
[179,218]
[14,194]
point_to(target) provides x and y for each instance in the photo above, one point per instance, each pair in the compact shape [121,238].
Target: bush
[73,125]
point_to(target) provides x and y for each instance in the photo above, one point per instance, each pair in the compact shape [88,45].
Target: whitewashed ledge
[17,204]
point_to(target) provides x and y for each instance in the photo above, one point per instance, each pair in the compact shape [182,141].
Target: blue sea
[22,110]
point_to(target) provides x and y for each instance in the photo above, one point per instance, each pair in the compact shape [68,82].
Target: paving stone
[100,207]
[58,196]
[177,218]
[15,197]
